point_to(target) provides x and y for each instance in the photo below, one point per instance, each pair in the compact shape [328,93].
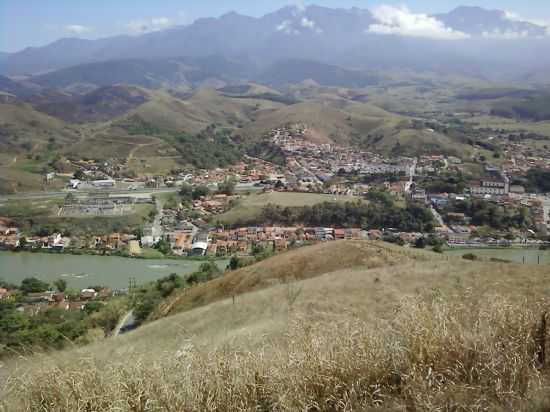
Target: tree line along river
[81,271]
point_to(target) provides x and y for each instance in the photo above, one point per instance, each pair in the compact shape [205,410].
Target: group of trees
[188,192]
[54,327]
[444,183]
[484,213]
[538,180]
[380,214]
[146,299]
[211,148]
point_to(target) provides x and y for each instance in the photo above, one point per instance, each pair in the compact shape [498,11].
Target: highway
[114,192]
[51,195]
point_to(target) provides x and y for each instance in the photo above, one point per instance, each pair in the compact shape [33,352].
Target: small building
[88,294]
[199,249]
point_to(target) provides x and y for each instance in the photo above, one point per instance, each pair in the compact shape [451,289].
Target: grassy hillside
[363,325]
[252,205]
[101,104]
[28,141]
[325,122]
[197,111]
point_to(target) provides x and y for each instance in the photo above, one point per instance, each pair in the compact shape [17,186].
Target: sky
[32,23]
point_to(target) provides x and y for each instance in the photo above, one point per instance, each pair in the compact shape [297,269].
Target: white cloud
[139,26]
[287,28]
[505,35]
[514,17]
[77,29]
[308,24]
[401,21]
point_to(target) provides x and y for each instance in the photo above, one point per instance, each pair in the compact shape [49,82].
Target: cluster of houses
[242,241]
[38,302]
[310,165]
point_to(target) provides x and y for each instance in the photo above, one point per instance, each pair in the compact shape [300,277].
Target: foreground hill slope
[296,265]
[391,319]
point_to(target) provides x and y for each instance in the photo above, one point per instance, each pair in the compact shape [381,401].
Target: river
[531,256]
[83,270]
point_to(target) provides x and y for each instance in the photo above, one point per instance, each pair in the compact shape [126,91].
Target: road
[546,207]
[63,193]
[127,320]
[157,223]
[115,192]
[437,217]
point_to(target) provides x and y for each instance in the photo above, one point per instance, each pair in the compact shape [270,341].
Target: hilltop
[317,303]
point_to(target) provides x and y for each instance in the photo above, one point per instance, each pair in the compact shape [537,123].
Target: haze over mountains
[467,40]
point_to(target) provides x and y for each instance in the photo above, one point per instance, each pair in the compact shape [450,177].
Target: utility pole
[131,284]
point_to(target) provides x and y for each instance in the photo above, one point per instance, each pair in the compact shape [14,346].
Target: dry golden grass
[298,264]
[452,354]
[389,329]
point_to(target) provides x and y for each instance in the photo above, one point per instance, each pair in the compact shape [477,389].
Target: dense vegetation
[147,298]
[208,149]
[484,213]
[443,183]
[538,180]
[51,327]
[267,151]
[534,108]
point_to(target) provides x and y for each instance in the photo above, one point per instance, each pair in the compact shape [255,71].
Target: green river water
[83,271]
[531,256]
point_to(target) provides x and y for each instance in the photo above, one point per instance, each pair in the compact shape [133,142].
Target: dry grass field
[335,327]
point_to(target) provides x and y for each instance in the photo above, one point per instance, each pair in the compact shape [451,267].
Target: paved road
[437,217]
[47,195]
[546,207]
[126,321]
[63,193]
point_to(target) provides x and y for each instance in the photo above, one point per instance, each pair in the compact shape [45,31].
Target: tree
[92,307]
[33,285]
[60,285]
[227,187]
[420,243]
[200,191]
[186,192]
[163,247]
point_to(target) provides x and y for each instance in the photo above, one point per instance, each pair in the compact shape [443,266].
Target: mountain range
[468,39]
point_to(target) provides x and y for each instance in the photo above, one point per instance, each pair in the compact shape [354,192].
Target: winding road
[127,320]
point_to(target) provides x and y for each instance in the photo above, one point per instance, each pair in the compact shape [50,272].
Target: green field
[511,124]
[252,205]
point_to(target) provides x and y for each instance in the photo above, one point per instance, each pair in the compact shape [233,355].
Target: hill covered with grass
[333,327]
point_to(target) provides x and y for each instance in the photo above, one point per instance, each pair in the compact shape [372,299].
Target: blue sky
[26,23]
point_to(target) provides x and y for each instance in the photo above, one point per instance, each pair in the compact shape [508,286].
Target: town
[190,228]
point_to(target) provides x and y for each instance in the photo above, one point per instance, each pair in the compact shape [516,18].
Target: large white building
[498,185]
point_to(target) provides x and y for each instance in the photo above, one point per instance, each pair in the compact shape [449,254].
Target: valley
[304,209]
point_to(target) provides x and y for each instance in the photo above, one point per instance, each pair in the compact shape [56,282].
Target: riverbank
[87,252]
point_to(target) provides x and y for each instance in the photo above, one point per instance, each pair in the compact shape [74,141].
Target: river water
[83,271]
[527,256]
